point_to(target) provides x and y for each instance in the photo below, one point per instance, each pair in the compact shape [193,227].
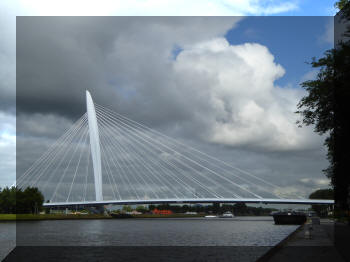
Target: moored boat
[289,218]
[227,214]
[210,216]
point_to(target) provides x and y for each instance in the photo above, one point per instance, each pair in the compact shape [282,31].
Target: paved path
[299,248]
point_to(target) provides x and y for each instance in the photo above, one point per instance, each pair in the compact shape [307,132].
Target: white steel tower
[95,146]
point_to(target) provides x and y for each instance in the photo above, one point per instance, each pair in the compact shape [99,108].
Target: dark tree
[216,208]
[8,200]
[16,201]
[326,106]
[322,194]
[322,210]
[341,4]
[240,209]
[34,199]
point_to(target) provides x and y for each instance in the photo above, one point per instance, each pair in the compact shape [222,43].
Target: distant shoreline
[31,217]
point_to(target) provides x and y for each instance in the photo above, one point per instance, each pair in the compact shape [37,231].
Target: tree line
[14,200]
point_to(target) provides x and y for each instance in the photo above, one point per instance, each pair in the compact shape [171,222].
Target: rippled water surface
[7,238]
[239,231]
[243,239]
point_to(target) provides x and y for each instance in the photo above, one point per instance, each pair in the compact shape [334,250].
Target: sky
[227,85]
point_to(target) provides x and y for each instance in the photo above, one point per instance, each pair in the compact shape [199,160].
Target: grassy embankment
[28,217]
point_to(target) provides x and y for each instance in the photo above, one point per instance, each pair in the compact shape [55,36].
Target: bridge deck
[194,200]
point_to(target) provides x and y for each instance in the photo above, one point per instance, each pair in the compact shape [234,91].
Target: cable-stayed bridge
[107,158]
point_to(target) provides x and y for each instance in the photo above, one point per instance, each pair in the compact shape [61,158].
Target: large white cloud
[219,92]
[234,99]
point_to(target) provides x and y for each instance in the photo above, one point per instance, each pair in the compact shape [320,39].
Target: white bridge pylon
[95,145]
[105,157]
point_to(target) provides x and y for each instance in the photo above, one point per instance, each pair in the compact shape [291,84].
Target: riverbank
[299,247]
[30,217]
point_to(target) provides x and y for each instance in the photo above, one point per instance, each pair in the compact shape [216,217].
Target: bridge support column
[95,146]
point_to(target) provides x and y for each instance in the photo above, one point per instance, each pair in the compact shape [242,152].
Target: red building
[161,212]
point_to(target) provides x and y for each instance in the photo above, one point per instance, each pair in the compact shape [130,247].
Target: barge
[289,218]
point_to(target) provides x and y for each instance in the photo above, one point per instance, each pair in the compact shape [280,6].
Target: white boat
[227,214]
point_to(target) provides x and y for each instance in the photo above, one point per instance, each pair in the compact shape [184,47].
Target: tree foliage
[141,209]
[318,107]
[17,201]
[341,4]
[326,106]
[127,208]
[322,210]
[322,194]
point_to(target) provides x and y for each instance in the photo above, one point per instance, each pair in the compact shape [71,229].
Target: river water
[179,232]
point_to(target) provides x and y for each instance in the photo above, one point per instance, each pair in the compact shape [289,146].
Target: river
[168,232]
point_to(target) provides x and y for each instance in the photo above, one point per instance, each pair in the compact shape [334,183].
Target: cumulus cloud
[315,182]
[234,97]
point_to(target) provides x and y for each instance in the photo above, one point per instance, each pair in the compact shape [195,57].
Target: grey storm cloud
[122,61]
[175,74]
